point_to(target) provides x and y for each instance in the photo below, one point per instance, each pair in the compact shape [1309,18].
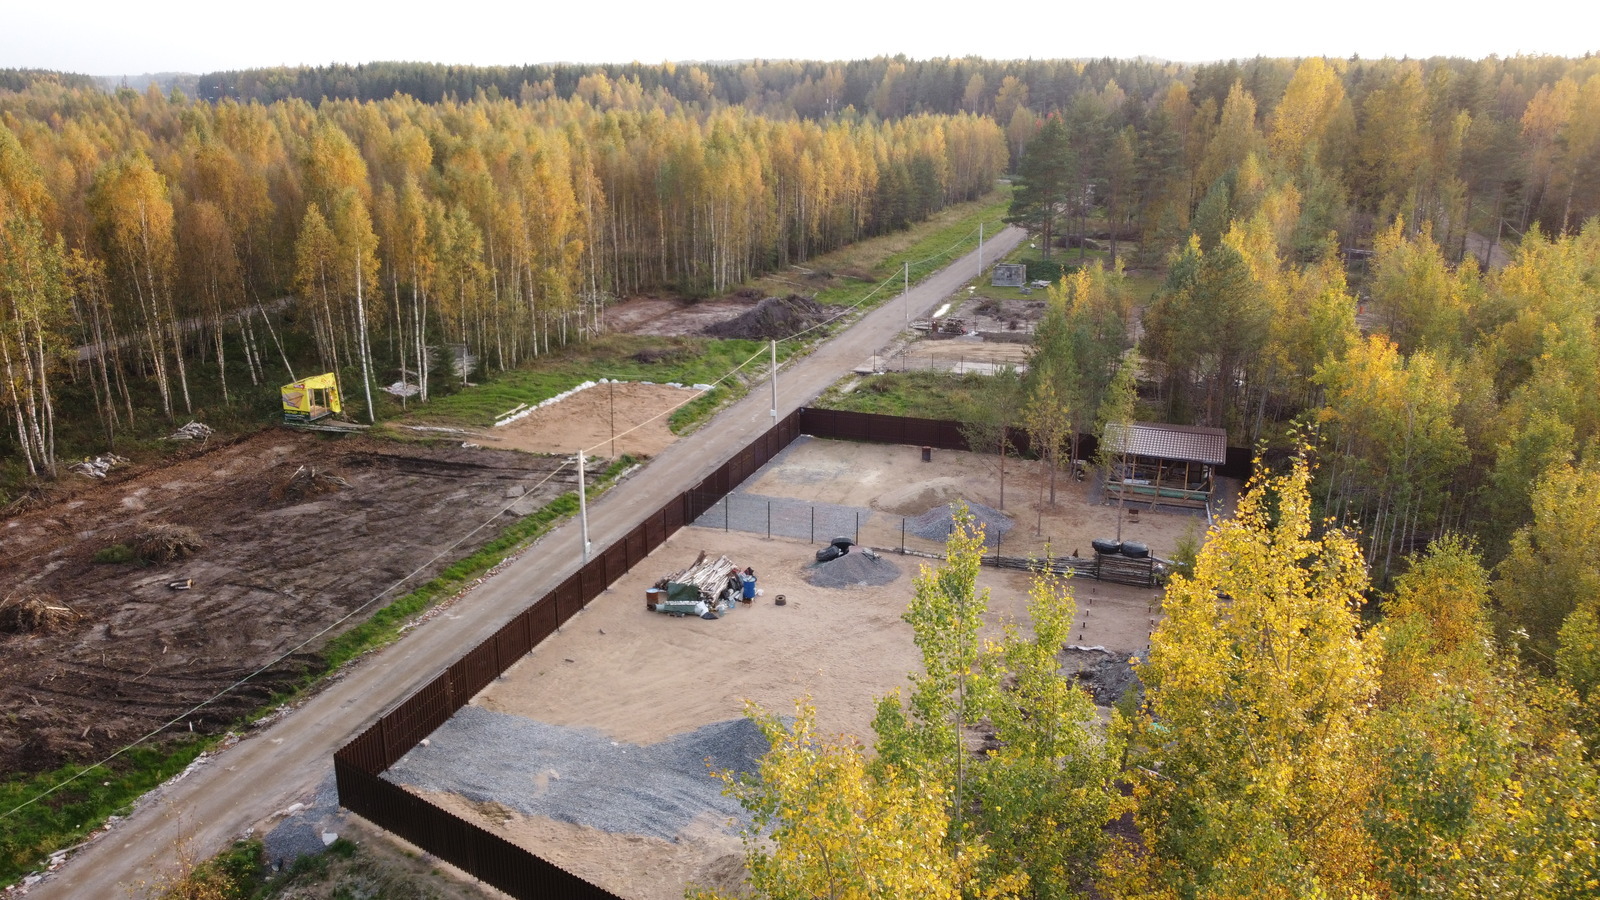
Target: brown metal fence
[480,853]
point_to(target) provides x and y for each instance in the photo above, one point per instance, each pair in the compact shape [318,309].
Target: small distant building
[1009,275]
[1165,464]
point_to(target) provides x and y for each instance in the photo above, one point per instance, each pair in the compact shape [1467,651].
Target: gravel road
[288,760]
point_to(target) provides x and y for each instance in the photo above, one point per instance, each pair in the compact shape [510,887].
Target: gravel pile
[582,776]
[854,569]
[937,523]
[772,319]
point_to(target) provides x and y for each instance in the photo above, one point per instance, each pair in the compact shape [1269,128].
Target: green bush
[116,553]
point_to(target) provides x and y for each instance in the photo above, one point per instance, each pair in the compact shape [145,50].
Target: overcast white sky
[100,37]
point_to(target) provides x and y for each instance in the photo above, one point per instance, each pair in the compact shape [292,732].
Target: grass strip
[70,814]
[922,394]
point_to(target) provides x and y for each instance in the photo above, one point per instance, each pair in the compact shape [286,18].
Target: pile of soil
[937,524]
[852,570]
[1105,675]
[772,319]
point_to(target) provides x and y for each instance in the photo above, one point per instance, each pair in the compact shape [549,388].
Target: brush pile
[163,543]
[307,482]
[30,613]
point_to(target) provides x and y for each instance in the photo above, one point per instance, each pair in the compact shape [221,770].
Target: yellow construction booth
[310,399]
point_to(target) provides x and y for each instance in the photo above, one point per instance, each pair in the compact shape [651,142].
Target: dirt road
[272,769]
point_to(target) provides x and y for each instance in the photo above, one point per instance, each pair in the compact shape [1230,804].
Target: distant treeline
[1463,144]
[22,79]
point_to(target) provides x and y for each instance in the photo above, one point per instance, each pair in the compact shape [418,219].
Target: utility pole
[905,293]
[613,385]
[583,507]
[980,249]
[774,381]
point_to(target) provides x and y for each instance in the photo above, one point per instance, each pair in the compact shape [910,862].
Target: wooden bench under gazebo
[1168,465]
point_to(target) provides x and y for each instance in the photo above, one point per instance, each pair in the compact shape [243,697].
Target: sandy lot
[636,414]
[282,560]
[640,677]
[893,482]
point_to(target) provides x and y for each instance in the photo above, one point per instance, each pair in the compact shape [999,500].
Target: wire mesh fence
[974,363]
[923,535]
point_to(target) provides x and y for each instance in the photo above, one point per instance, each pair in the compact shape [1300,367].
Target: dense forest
[164,230]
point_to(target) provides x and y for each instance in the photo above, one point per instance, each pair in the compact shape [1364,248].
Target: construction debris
[29,613]
[705,588]
[163,543]
[99,466]
[194,431]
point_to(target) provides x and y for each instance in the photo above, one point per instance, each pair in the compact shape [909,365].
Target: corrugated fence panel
[473,672]
[569,597]
[637,545]
[416,718]
[542,620]
[616,559]
[512,641]
[366,751]
[594,579]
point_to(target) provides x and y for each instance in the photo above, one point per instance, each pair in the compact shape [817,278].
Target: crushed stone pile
[936,524]
[584,777]
[772,319]
[854,569]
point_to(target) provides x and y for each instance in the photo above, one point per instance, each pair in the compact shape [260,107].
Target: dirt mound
[29,613]
[916,499]
[1105,675]
[772,319]
[936,524]
[162,543]
[852,570]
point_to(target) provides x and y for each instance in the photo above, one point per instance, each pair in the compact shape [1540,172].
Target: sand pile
[772,319]
[854,569]
[936,524]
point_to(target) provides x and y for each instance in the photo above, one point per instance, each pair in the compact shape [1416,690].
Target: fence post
[858,526]
[769,520]
[813,523]
[902,535]
[727,512]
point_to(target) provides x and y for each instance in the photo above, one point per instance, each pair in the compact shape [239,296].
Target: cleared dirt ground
[640,677]
[282,561]
[651,315]
[636,414]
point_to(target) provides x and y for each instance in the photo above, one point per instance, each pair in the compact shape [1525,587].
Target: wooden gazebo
[1164,464]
